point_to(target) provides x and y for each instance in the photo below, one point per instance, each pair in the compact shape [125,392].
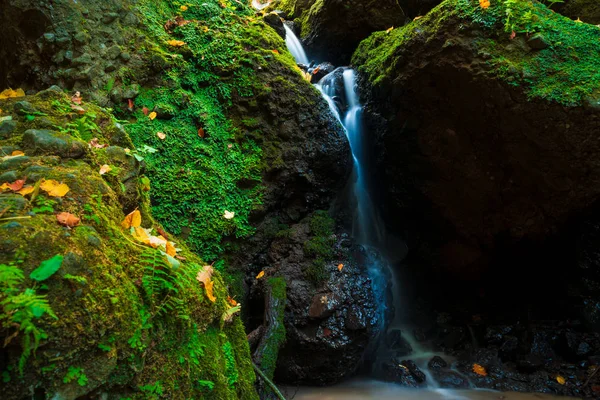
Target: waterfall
[294,46]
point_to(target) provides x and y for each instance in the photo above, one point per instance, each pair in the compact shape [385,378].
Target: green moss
[276,337]
[319,246]
[565,72]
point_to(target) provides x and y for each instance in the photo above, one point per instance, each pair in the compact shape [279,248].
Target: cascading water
[294,46]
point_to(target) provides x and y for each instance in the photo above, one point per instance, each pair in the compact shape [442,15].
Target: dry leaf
[578,20]
[17,153]
[340,267]
[204,276]
[78,108]
[152,115]
[170,249]
[9,93]
[201,133]
[183,8]
[560,380]
[231,301]
[76,98]
[513,35]
[105,169]
[16,185]
[54,188]
[176,43]
[316,70]
[228,215]
[417,18]
[389,29]
[161,135]
[132,220]
[26,190]
[146,111]
[484,3]
[275,51]
[94,143]
[479,370]
[260,274]
[67,219]
[141,235]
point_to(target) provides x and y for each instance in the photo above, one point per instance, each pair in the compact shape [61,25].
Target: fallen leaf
[228,315]
[67,219]
[94,143]
[152,116]
[9,93]
[16,185]
[578,20]
[54,188]
[130,104]
[340,267]
[479,370]
[132,220]
[389,30]
[146,111]
[77,98]
[417,18]
[484,3]
[170,249]
[231,301]
[161,231]
[141,235]
[176,43]
[79,109]
[275,51]
[560,380]
[316,70]
[229,146]
[260,274]
[183,8]
[513,35]
[204,276]
[228,215]
[4,186]
[161,135]
[17,153]
[105,169]
[201,133]
[26,190]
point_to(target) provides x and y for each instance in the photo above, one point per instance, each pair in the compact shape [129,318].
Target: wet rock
[24,108]
[437,362]
[46,142]
[274,21]
[577,348]
[322,70]
[393,371]
[414,371]
[7,127]
[395,341]
[450,379]
[529,363]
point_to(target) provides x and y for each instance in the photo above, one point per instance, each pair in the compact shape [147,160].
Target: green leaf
[47,268]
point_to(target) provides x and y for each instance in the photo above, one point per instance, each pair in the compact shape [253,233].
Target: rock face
[332,29]
[330,316]
[586,10]
[475,134]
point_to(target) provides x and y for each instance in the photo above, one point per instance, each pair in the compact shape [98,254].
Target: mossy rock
[119,329]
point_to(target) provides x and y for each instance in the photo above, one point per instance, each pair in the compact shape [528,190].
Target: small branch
[269,382]
[9,218]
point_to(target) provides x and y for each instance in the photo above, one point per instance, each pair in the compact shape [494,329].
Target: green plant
[43,205]
[20,310]
[230,368]
[76,373]
[152,391]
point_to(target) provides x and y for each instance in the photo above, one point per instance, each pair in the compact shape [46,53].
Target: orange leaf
[484,3]
[9,93]
[479,370]
[201,133]
[17,153]
[77,99]
[145,111]
[16,185]
[54,188]
[170,249]
[152,115]
[204,276]
[260,274]
[133,219]
[26,190]
[340,267]
[183,8]
[161,135]
[105,169]
[275,51]
[67,219]
[316,70]
[561,380]
[231,301]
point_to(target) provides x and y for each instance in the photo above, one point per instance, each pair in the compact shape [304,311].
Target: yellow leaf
[161,135]
[580,21]
[9,93]
[484,3]
[152,115]
[105,169]
[133,219]
[204,276]
[141,235]
[389,30]
[176,43]
[228,215]
[340,267]
[25,191]
[170,249]
[560,380]
[479,370]
[54,188]
[260,274]
[183,8]
[17,153]
[4,186]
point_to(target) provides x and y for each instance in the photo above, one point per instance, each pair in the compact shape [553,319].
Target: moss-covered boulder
[85,307]
[487,120]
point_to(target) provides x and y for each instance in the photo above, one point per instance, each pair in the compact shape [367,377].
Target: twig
[9,218]
[269,382]
[591,376]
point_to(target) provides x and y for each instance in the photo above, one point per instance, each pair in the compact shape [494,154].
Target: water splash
[295,46]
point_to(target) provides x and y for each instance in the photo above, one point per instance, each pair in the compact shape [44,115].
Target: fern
[20,309]
[163,285]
